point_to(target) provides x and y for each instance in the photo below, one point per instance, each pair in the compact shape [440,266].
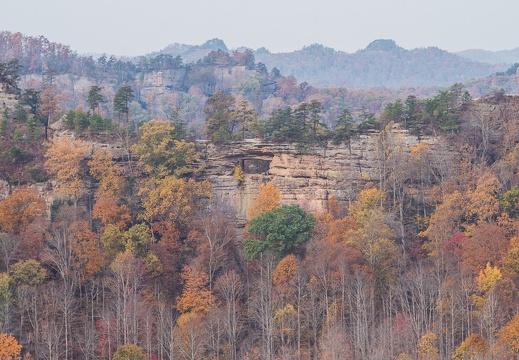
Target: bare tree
[230,288]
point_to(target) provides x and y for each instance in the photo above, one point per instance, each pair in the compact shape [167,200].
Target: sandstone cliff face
[7,101]
[160,82]
[309,179]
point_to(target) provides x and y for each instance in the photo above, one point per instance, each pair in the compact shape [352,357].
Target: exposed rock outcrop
[309,178]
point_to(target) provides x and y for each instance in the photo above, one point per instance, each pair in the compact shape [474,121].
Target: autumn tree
[49,105]
[373,236]
[111,213]
[285,275]
[104,169]
[129,352]
[473,347]
[160,152]
[509,336]
[427,348]
[9,347]
[445,221]
[483,203]
[486,303]
[88,259]
[190,336]
[268,199]
[65,162]
[286,279]
[172,199]
[20,208]
[196,297]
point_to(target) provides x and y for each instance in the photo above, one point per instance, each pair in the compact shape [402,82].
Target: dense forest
[165,84]
[381,63]
[113,245]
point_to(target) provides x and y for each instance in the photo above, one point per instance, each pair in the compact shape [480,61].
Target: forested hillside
[491,57]
[381,63]
[166,85]
[114,244]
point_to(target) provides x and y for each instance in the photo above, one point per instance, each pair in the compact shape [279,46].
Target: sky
[131,27]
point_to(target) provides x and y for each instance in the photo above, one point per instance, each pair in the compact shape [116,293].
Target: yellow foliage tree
[268,199]
[509,336]
[486,281]
[160,154]
[484,201]
[64,163]
[172,199]
[22,207]
[238,174]
[372,235]
[109,175]
[444,222]
[427,349]
[190,336]
[474,347]
[9,347]
[488,277]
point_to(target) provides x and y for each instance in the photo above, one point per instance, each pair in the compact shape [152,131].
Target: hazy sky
[131,27]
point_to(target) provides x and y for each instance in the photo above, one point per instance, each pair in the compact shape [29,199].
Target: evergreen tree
[344,128]
[317,130]
[122,100]
[180,131]
[9,76]
[220,121]
[281,230]
[95,98]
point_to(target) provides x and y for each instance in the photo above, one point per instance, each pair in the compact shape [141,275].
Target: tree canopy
[281,230]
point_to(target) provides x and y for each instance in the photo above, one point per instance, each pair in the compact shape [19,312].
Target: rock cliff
[309,178]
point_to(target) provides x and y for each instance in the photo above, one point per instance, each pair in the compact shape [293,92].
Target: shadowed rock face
[310,178]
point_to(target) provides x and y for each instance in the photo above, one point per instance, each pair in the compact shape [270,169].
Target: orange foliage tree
[268,199]
[109,175]
[509,336]
[9,347]
[195,298]
[285,276]
[111,213]
[22,207]
[64,163]
[87,254]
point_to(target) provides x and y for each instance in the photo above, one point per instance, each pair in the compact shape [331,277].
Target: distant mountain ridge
[192,53]
[381,63]
[492,57]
